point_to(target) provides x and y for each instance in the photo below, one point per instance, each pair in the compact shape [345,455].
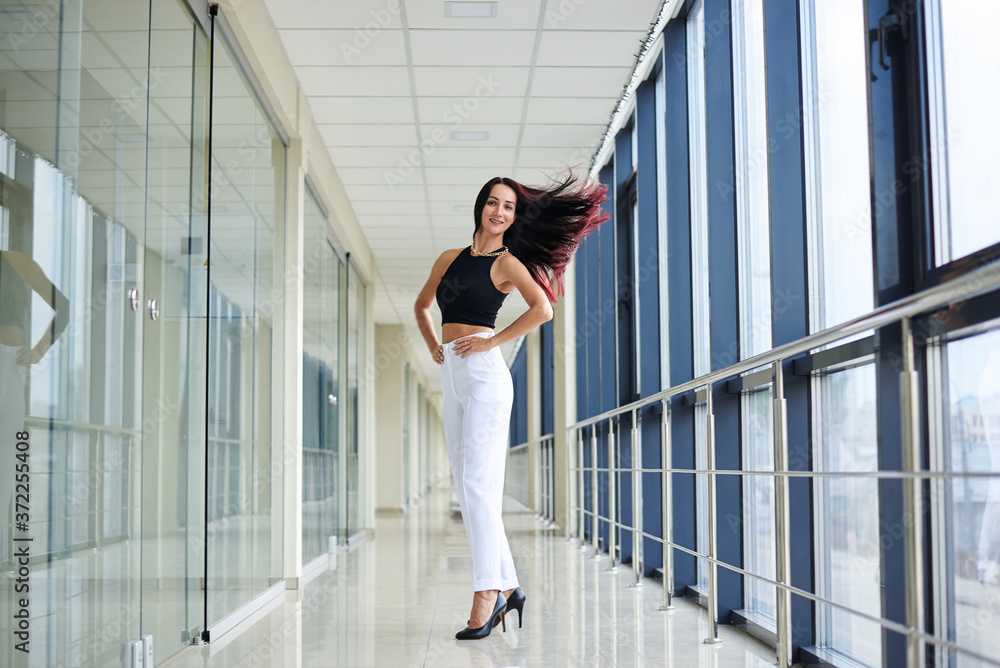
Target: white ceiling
[541,78]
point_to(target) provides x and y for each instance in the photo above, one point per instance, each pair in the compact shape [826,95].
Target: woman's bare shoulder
[446,258]
[507,262]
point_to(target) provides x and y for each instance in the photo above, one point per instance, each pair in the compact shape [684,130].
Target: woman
[523,239]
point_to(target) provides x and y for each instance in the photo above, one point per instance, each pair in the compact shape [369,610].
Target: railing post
[593,492]
[667,519]
[638,562]
[612,496]
[570,462]
[552,480]
[912,500]
[782,520]
[713,594]
[582,523]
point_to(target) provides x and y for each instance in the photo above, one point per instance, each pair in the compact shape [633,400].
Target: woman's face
[498,213]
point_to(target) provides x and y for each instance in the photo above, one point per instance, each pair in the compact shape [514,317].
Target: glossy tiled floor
[398,600]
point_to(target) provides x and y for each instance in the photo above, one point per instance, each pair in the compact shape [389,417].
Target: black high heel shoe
[515,602]
[484,630]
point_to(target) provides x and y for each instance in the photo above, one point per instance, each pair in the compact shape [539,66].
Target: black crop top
[466,293]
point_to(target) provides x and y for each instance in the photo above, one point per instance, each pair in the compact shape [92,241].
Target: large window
[968,530]
[697,141]
[965,139]
[753,232]
[837,161]
[835,81]
[847,512]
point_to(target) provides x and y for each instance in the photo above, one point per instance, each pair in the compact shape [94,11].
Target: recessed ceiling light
[470,10]
[463,207]
[470,136]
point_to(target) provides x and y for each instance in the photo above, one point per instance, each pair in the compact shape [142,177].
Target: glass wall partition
[321,392]
[247,207]
[102,323]
[354,408]
[174,309]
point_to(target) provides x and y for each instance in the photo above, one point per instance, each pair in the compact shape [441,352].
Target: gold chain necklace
[475,253]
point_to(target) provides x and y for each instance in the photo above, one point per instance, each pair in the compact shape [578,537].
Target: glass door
[72,190]
[173,310]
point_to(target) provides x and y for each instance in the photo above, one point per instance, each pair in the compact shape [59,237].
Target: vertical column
[564,397]
[366,449]
[388,379]
[533,354]
[290,313]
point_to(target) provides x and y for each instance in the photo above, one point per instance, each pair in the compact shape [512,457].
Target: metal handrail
[537,439]
[975,283]
[980,281]
[983,280]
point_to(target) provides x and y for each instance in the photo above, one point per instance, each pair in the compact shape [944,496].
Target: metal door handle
[154,310]
[332,400]
[133,299]
[884,24]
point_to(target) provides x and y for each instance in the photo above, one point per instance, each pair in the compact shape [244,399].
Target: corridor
[398,600]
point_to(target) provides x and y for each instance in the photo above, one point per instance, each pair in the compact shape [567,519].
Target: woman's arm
[422,307]
[33,275]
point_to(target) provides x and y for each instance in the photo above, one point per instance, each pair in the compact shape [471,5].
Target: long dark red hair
[549,225]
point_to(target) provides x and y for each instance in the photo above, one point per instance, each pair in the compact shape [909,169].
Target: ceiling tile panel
[599,16]
[571,48]
[361,15]
[475,81]
[371,110]
[339,48]
[495,134]
[456,157]
[459,175]
[350,81]
[386,193]
[557,110]
[484,48]
[579,81]
[511,15]
[456,112]
[357,134]
[541,135]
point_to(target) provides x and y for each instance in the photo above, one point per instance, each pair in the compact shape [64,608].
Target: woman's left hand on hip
[472,344]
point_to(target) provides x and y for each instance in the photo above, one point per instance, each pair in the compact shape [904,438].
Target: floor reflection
[399,599]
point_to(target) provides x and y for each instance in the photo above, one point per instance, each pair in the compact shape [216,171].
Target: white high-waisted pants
[477,397]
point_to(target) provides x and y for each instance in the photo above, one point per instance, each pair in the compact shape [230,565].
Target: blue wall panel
[679,299]
[624,350]
[650,259]
[725,293]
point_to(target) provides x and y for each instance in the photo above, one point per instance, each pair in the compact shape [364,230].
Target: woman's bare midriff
[11,335]
[454,330]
